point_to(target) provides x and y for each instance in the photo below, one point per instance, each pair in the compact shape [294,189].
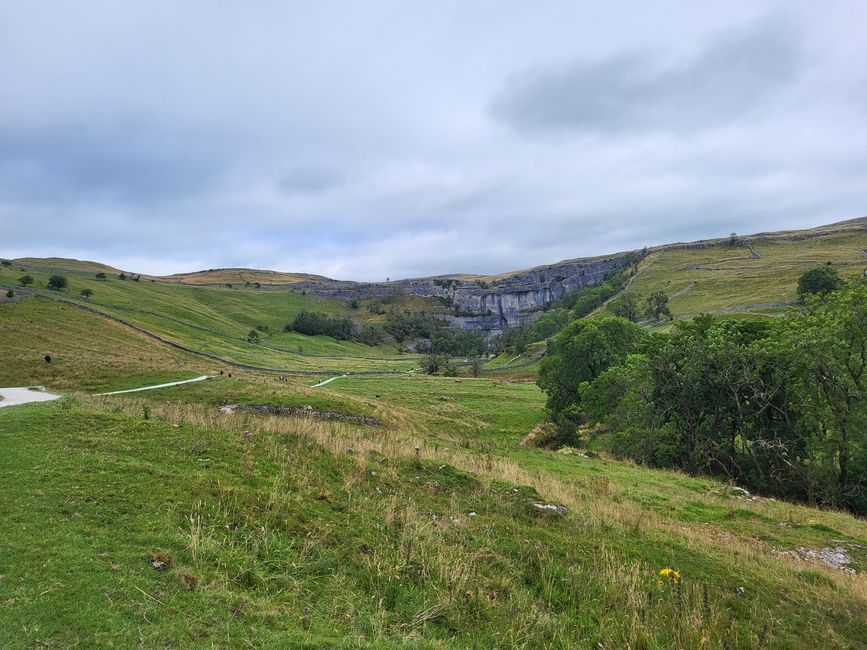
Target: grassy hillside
[216,321]
[156,519]
[287,531]
[761,278]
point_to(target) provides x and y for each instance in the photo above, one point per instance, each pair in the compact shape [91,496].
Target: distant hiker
[47,358]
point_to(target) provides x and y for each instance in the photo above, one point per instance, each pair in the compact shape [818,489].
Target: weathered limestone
[489,306]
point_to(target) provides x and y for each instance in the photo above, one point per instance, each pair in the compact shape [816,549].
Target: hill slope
[170,519]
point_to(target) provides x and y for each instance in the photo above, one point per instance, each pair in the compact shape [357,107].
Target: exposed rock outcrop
[485,304]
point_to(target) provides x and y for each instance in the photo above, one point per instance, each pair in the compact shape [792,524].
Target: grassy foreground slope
[288,532]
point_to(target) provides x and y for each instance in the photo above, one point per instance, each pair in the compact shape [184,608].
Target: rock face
[488,305]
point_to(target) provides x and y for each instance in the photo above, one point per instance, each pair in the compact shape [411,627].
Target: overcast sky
[364,140]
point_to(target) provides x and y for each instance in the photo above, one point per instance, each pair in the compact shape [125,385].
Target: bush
[25,280]
[821,280]
[57,282]
[314,323]
[86,293]
[10,294]
[100,276]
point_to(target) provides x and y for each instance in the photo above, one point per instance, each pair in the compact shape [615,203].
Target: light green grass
[728,278]
[381,551]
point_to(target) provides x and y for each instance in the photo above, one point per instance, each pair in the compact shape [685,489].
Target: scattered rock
[550,506]
[740,592]
[836,557]
[472,513]
[349,450]
[305,411]
[443,398]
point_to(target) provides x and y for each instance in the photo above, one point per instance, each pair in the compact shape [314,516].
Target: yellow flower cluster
[672,574]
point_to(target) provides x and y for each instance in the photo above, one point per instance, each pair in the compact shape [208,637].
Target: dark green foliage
[626,306]
[580,353]
[121,275]
[431,363]
[86,293]
[25,280]
[448,283]
[10,294]
[777,405]
[57,282]
[822,280]
[6,263]
[513,339]
[656,306]
[253,336]
[583,301]
[314,323]
[459,343]
[100,276]
[405,325]
[548,324]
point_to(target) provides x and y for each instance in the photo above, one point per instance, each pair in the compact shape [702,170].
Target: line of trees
[778,405]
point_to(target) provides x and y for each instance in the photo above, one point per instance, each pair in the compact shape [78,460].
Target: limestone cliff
[489,304]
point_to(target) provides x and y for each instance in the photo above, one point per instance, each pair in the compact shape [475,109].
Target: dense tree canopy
[822,280]
[779,405]
[581,352]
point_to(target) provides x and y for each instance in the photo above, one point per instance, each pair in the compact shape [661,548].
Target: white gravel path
[327,381]
[136,390]
[24,395]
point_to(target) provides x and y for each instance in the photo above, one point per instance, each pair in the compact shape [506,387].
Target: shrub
[821,280]
[100,276]
[86,293]
[57,282]
[25,280]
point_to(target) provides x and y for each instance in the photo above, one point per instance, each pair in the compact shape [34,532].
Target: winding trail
[24,395]
[327,381]
[171,383]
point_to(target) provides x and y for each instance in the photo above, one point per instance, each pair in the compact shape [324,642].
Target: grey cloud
[370,147]
[733,76]
[310,179]
[129,160]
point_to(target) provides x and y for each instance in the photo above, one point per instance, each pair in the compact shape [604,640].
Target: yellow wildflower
[671,574]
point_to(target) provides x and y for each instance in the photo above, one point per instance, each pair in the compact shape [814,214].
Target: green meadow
[156,519]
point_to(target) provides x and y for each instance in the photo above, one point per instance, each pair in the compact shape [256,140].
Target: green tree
[100,276]
[57,282]
[656,306]
[580,353]
[86,293]
[253,336]
[431,364]
[25,280]
[626,306]
[821,280]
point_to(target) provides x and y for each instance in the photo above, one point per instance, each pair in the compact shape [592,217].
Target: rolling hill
[255,509]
